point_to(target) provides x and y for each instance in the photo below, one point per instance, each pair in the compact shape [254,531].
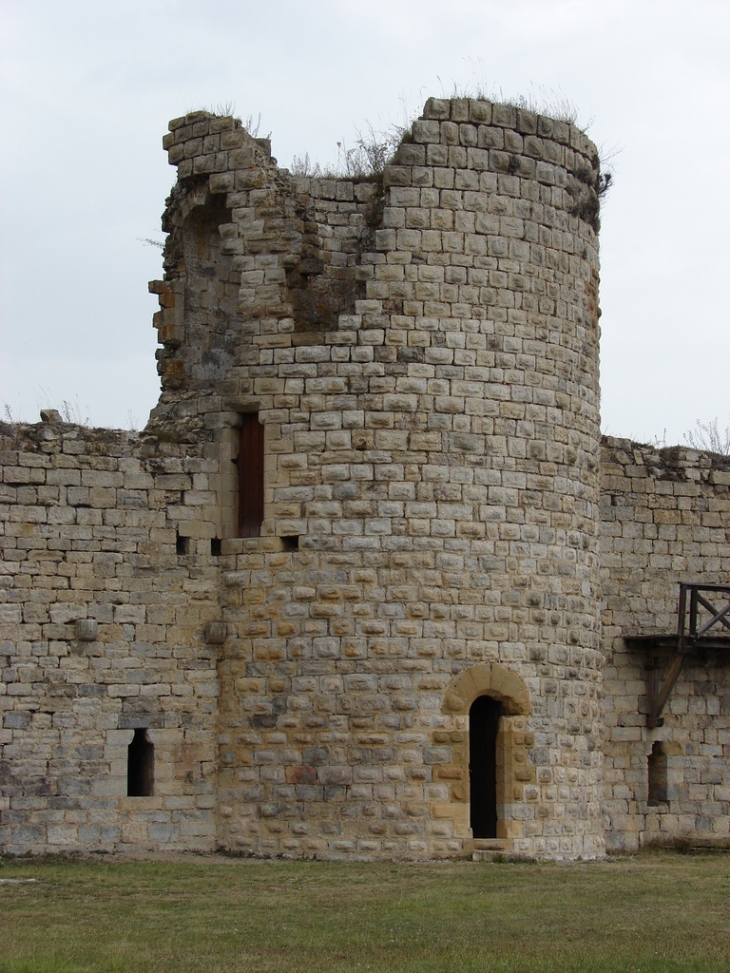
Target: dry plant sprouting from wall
[708,437]
[366,159]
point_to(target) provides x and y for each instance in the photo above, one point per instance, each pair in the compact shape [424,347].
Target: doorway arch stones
[517,792]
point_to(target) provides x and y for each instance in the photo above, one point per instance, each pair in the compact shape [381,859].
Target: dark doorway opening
[140,765]
[483,726]
[250,465]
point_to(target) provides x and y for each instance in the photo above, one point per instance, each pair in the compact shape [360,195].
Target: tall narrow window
[483,727]
[140,765]
[250,465]
[657,775]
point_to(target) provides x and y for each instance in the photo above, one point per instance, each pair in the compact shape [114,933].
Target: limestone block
[86,629]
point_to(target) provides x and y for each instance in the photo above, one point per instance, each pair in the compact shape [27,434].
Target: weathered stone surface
[422,353]
[665,520]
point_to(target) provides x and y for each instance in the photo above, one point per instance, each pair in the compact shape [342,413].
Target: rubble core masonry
[362,587]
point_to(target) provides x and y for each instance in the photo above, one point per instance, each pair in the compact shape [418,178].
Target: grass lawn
[656,913]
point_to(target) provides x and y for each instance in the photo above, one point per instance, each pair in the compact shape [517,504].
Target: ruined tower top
[253,248]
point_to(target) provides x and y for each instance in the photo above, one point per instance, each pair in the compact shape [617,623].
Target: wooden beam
[663,695]
[687,640]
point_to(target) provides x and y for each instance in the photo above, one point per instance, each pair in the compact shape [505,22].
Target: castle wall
[665,520]
[101,633]
[406,369]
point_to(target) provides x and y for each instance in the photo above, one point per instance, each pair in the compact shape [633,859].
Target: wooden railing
[689,620]
[696,617]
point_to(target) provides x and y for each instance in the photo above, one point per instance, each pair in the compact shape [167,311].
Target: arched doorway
[502,741]
[484,717]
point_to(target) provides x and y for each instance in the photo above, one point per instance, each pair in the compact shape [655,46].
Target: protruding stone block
[86,629]
[215,633]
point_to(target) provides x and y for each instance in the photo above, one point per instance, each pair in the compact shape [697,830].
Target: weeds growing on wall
[541,99]
[70,412]
[366,159]
[227,109]
[709,438]
[706,437]
[252,127]
[149,242]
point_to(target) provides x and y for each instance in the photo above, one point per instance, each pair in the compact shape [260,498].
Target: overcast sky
[88,86]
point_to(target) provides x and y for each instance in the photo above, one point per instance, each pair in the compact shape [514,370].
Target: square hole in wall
[215,547]
[291,542]
[182,545]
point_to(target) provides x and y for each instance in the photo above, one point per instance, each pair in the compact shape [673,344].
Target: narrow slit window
[250,464]
[657,775]
[140,765]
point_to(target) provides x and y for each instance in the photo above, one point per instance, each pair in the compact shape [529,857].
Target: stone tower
[341,597]
[398,381]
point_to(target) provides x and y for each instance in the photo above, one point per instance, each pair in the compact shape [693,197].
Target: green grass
[659,913]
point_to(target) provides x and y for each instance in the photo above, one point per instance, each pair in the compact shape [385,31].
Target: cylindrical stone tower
[399,381]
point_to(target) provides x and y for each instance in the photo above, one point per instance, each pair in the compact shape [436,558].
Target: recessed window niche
[140,765]
[657,768]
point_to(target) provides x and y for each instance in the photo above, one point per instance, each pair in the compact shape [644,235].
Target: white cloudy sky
[87,88]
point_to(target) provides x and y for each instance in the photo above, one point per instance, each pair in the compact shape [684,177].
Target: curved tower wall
[422,352]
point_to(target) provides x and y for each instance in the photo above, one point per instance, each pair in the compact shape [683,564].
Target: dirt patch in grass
[659,913]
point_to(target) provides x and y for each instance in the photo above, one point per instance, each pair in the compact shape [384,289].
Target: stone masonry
[665,517]
[416,356]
